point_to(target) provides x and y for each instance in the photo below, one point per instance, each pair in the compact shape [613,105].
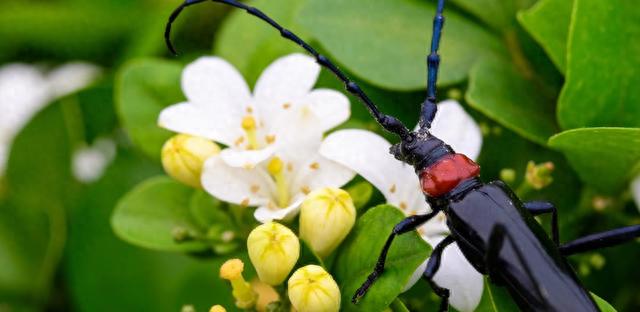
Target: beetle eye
[396,151]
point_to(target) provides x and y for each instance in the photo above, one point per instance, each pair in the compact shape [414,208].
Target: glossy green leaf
[500,91]
[495,299]
[603,58]
[548,23]
[250,44]
[360,193]
[148,215]
[359,252]
[603,157]
[143,89]
[398,306]
[499,14]
[603,305]
[399,33]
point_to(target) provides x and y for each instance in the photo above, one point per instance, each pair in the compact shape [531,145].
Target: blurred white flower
[26,89]
[272,136]
[89,162]
[635,190]
[368,154]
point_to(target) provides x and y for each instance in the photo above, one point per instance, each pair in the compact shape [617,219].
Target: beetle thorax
[445,174]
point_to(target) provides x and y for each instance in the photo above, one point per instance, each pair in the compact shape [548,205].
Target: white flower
[635,190]
[272,136]
[368,154]
[89,162]
[26,89]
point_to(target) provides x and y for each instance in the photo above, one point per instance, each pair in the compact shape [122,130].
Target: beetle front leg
[406,225]
[432,267]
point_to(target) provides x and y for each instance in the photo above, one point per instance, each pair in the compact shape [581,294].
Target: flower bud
[312,289]
[273,250]
[183,157]
[217,308]
[242,291]
[539,176]
[326,217]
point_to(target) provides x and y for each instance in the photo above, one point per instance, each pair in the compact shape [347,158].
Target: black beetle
[496,231]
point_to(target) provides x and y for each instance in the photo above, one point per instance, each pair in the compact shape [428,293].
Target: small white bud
[183,157]
[312,289]
[273,250]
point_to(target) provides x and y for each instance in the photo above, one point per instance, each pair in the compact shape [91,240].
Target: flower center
[249,127]
[275,168]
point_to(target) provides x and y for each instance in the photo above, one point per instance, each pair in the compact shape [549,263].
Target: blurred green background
[525,70]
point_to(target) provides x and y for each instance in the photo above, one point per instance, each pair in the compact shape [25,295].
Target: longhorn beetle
[495,231]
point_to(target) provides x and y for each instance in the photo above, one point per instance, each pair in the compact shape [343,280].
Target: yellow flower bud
[326,217]
[242,291]
[539,176]
[312,289]
[217,308]
[183,157]
[273,250]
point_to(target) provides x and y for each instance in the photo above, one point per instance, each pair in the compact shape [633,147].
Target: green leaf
[148,215]
[500,91]
[495,299]
[143,89]
[398,306]
[548,23]
[360,193]
[398,32]
[251,44]
[603,157]
[358,254]
[601,87]
[603,305]
[207,210]
[499,14]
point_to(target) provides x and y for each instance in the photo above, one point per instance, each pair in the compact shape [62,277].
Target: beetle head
[420,149]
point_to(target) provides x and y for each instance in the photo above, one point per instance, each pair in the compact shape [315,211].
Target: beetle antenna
[429,107]
[388,122]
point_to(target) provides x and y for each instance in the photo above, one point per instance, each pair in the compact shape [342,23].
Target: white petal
[71,77]
[368,154]
[457,275]
[286,81]
[265,214]
[635,190]
[455,127]
[320,172]
[434,229]
[214,85]
[245,159]
[190,119]
[296,126]
[236,185]
[90,162]
[331,107]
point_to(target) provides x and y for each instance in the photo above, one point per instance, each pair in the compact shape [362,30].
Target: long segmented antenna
[389,123]
[429,107]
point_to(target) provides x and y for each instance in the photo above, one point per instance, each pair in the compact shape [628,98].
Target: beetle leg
[540,207]
[406,225]
[600,240]
[432,267]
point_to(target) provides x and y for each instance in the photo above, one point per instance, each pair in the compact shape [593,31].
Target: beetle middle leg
[601,240]
[432,267]
[406,225]
[540,207]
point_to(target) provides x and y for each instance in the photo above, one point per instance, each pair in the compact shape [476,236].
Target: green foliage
[398,33]
[603,157]
[359,252]
[495,299]
[602,66]
[143,89]
[152,212]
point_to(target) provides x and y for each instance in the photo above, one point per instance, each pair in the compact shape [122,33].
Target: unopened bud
[508,175]
[539,176]
[312,289]
[183,157]
[187,308]
[242,291]
[217,308]
[273,250]
[326,217]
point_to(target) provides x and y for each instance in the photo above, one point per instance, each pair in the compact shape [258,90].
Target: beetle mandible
[494,229]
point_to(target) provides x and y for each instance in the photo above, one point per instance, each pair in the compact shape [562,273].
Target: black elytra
[493,228]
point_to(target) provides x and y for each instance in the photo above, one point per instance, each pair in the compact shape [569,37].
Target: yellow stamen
[275,167]
[249,126]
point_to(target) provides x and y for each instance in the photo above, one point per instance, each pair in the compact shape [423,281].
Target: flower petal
[368,154]
[70,77]
[457,275]
[191,119]
[286,81]
[434,229]
[265,214]
[215,86]
[455,127]
[635,190]
[245,159]
[236,185]
[331,107]
[320,172]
